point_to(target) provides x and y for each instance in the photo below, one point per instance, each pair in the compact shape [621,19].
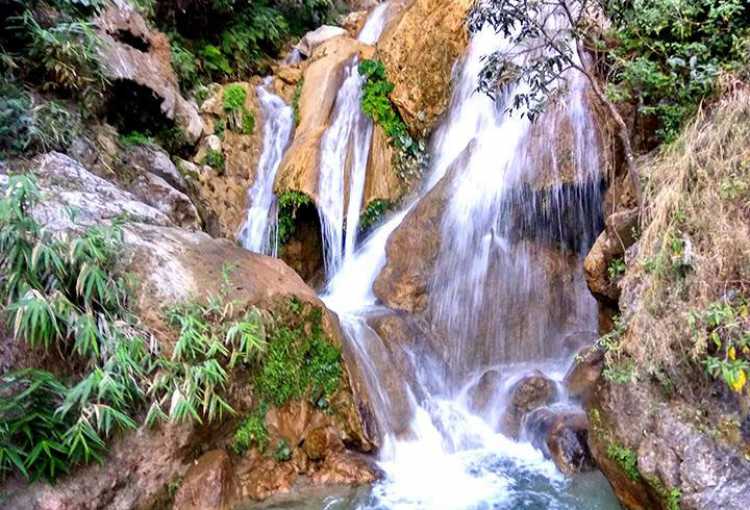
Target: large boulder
[531,391]
[562,435]
[170,265]
[206,483]
[133,52]
[419,49]
[315,38]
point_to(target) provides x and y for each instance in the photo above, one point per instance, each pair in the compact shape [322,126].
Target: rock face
[157,193]
[206,483]
[653,452]
[171,265]
[419,49]
[580,381]
[315,38]
[411,251]
[134,52]
[610,245]
[221,194]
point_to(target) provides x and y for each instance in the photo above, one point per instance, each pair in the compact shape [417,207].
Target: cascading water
[278,124]
[344,151]
[491,296]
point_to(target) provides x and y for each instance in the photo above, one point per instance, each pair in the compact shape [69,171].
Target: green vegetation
[135,138]
[63,296]
[252,431]
[616,268]
[234,97]
[239,119]
[215,159]
[411,156]
[723,330]
[626,459]
[248,123]
[669,56]
[662,56]
[190,385]
[61,56]
[241,38]
[300,362]
[373,213]
[283,452]
[27,127]
[289,203]
[295,100]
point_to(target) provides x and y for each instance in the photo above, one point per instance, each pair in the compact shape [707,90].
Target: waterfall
[344,151]
[492,303]
[278,124]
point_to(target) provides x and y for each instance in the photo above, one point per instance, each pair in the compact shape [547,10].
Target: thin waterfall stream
[256,233]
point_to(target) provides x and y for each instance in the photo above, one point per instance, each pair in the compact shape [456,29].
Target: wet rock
[320,442]
[574,343]
[206,484]
[611,244]
[580,381]
[322,79]
[315,38]
[533,390]
[156,192]
[562,435]
[381,180]
[485,391]
[346,468]
[418,49]
[266,477]
[411,252]
[134,52]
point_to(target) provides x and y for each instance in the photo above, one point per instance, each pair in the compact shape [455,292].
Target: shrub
[184,64]
[63,294]
[15,118]
[234,97]
[668,55]
[54,127]
[135,138]
[214,159]
[626,459]
[411,157]
[248,123]
[67,55]
[373,213]
[289,203]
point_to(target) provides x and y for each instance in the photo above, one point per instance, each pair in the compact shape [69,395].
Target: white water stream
[256,233]
[449,456]
[344,151]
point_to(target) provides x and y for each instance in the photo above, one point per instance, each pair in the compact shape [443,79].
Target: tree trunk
[622,130]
